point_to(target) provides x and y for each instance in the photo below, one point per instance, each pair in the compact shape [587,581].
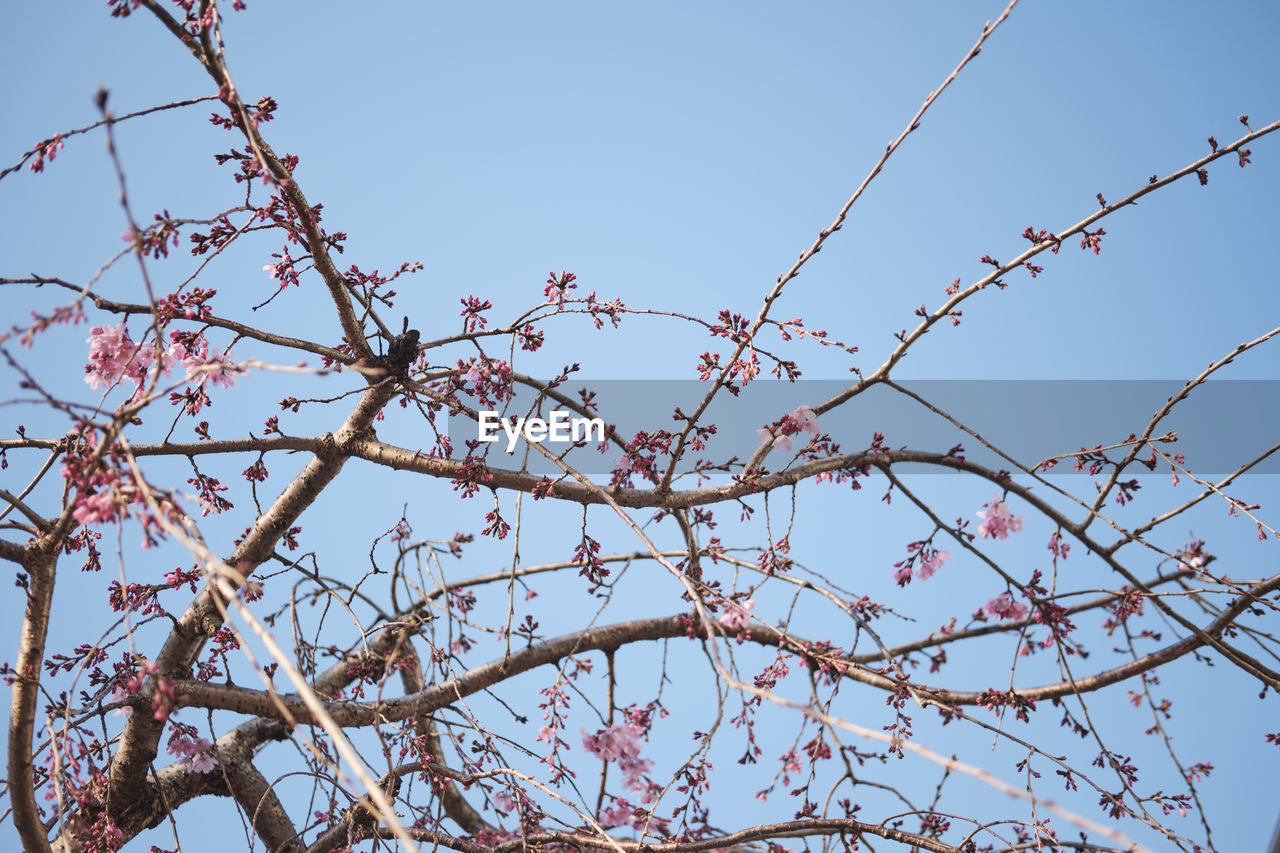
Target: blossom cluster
[928,565]
[194,755]
[737,615]
[105,489]
[620,743]
[998,522]
[115,357]
[622,813]
[803,419]
[205,364]
[1004,607]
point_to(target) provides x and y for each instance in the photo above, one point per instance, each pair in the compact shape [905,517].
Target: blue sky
[679,156]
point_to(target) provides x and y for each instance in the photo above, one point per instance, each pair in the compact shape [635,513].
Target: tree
[331,601]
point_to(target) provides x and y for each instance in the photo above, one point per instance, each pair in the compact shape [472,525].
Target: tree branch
[41,566]
[138,743]
[612,637]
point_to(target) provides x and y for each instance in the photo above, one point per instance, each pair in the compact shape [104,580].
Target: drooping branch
[1106,490]
[455,805]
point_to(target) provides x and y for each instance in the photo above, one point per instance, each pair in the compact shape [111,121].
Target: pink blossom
[201,762]
[546,733]
[621,814]
[620,743]
[196,756]
[504,801]
[737,615]
[207,364]
[473,375]
[615,816]
[802,419]
[1004,607]
[783,442]
[934,562]
[105,834]
[614,743]
[806,419]
[119,695]
[998,523]
[113,356]
[902,576]
[96,508]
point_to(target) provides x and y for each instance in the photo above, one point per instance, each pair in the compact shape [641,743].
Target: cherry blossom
[737,615]
[205,365]
[283,269]
[119,695]
[97,508]
[196,756]
[783,442]
[998,522]
[622,813]
[802,419]
[1004,607]
[806,419]
[113,357]
[620,743]
[932,563]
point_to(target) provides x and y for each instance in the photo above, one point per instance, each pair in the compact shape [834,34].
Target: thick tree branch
[41,566]
[138,743]
[258,800]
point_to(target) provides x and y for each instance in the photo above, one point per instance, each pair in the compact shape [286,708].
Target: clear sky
[679,156]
